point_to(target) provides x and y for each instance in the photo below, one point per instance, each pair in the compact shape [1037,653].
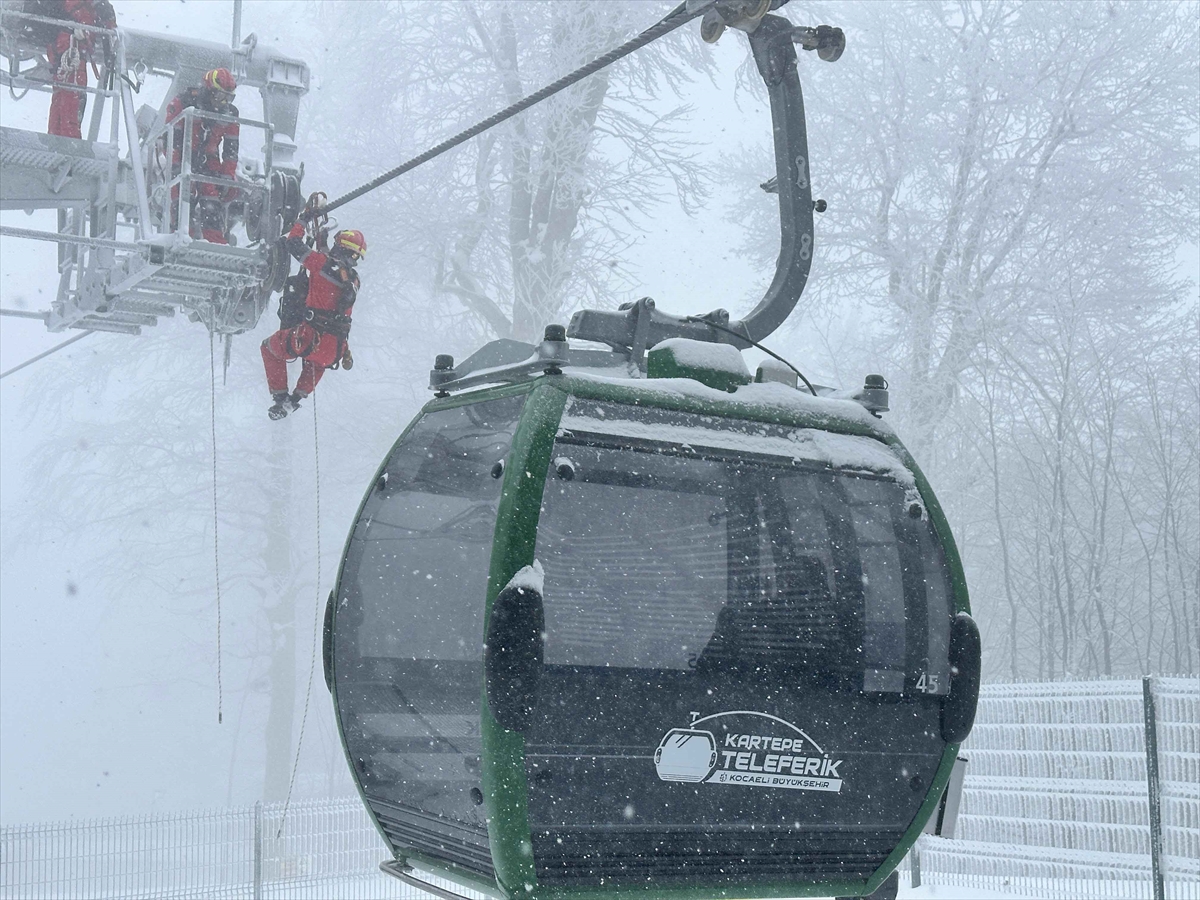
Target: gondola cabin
[681,635]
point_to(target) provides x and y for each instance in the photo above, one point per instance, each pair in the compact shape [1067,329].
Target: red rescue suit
[214,152]
[68,57]
[320,340]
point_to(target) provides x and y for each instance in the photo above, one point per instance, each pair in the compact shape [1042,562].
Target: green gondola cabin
[629,622]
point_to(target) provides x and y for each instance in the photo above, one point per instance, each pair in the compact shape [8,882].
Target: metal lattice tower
[125,256]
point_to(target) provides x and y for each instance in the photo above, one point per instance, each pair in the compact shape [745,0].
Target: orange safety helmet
[220,80]
[352,241]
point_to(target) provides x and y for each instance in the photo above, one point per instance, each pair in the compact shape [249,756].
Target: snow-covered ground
[944,892]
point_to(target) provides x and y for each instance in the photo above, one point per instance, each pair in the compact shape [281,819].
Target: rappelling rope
[674,19]
[312,666]
[212,408]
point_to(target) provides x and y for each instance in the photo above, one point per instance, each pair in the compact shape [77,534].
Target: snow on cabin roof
[842,451]
[706,355]
[769,400]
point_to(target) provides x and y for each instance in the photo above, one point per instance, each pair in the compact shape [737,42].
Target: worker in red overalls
[214,152]
[69,55]
[315,325]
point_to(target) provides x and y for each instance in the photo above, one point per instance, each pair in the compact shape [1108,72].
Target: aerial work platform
[125,253]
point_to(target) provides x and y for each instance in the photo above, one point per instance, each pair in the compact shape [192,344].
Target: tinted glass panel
[675,556]
[409,628]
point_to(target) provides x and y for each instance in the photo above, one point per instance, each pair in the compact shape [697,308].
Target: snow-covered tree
[529,221]
[1008,187]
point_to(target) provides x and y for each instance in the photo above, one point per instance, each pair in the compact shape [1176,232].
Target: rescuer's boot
[282,406]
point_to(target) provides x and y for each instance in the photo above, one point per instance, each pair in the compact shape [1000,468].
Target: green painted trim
[491,393]
[962,603]
[926,811]
[765,891]
[941,526]
[504,787]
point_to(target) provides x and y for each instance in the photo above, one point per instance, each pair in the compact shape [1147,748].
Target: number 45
[927,683]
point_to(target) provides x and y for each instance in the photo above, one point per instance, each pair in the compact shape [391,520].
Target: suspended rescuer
[315,310]
[69,52]
[214,152]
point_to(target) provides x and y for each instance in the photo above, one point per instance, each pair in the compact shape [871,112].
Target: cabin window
[409,625]
[706,552]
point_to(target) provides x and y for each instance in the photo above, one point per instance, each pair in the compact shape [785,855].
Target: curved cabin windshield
[409,627]
[677,544]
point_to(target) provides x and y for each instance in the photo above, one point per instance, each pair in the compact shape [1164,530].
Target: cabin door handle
[513,655]
[958,707]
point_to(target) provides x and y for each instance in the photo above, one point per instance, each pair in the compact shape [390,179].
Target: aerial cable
[212,407]
[312,665]
[54,349]
[740,336]
[674,19]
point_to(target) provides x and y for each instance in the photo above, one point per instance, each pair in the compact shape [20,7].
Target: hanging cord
[54,349]
[742,337]
[212,407]
[672,20]
[312,665]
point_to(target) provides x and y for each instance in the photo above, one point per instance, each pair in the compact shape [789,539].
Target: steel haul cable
[43,355]
[674,19]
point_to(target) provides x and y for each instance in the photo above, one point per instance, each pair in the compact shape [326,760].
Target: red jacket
[333,285]
[88,12]
[214,144]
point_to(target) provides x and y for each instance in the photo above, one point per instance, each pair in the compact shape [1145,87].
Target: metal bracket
[548,358]
[404,872]
[636,327]
[772,41]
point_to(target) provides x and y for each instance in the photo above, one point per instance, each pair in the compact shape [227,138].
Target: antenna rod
[237,23]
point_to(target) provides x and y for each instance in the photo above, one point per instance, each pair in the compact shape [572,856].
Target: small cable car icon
[686,755]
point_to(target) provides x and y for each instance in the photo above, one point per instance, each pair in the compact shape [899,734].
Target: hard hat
[220,80]
[352,241]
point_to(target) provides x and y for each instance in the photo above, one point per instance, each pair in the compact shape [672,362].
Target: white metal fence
[329,850]
[1056,797]
[1055,804]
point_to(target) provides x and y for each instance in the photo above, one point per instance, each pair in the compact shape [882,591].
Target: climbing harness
[325,321]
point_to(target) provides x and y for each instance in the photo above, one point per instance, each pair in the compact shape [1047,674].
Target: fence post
[258,850]
[1152,788]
